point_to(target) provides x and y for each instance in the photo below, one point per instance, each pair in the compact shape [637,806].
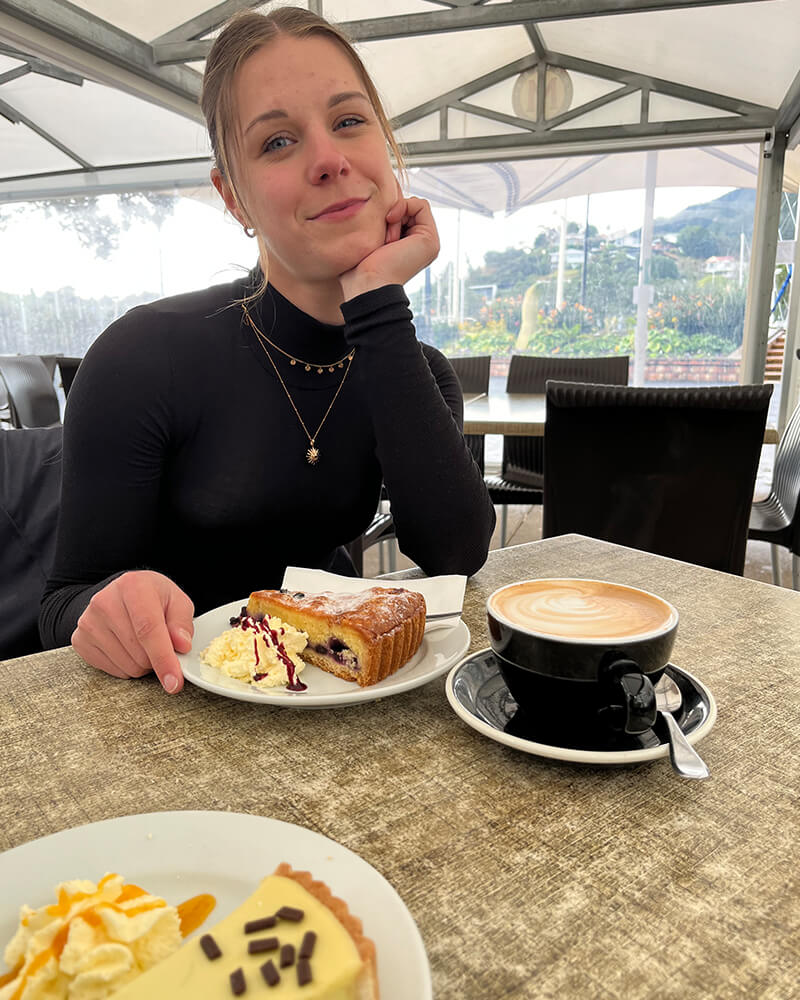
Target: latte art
[582,609]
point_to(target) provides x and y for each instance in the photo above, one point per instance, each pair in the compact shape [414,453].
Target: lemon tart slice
[291,939]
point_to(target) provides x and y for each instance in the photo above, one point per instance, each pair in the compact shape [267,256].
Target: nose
[326,160]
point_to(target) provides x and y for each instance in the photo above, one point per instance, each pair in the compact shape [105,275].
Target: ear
[227,195]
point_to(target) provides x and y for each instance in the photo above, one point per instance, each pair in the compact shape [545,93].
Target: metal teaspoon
[685,759]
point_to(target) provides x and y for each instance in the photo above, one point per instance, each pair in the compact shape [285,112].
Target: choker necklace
[312,455]
[308,365]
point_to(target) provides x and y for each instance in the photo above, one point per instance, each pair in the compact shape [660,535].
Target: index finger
[147,616]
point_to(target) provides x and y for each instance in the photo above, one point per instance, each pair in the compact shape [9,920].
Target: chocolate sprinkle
[303,972]
[260,925]
[287,955]
[290,913]
[262,944]
[270,973]
[238,985]
[307,946]
[210,947]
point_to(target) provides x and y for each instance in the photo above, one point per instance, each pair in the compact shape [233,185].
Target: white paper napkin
[444,595]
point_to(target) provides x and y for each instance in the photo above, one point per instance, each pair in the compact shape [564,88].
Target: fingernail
[186,636]
[170,683]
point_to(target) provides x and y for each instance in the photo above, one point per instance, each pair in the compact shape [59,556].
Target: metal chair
[32,397]
[381,530]
[669,471]
[521,476]
[67,368]
[473,374]
[777,518]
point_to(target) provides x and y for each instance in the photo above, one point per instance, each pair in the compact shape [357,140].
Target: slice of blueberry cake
[358,637]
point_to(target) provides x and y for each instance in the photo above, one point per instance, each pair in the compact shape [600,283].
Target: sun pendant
[312,455]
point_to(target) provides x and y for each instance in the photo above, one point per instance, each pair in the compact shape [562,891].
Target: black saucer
[478,694]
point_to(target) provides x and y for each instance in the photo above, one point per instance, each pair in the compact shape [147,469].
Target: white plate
[478,695]
[440,649]
[180,854]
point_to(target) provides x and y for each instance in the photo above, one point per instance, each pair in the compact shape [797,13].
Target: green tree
[698,242]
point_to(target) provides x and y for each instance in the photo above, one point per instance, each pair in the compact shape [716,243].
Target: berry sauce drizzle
[245,621]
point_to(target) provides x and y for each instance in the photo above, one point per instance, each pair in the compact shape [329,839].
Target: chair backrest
[786,470]
[472,372]
[530,374]
[523,457]
[50,361]
[67,368]
[30,489]
[31,394]
[667,470]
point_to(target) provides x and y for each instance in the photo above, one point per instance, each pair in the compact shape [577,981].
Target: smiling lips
[340,210]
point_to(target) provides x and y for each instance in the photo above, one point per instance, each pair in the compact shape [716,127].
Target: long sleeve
[442,512]
[114,450]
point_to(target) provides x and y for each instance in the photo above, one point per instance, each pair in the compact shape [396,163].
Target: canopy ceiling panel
[84,117]
[97,93]
[506,187]
[747,50]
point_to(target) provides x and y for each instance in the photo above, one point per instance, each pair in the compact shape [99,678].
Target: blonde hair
[244,34]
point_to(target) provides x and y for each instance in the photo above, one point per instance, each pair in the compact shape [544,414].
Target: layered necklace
[313,453]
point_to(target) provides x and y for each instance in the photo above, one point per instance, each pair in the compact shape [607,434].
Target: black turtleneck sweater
[182,452]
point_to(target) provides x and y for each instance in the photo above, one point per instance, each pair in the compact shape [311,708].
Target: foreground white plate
[440,649]
[180,854]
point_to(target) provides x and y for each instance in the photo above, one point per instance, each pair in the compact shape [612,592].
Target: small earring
[249,232]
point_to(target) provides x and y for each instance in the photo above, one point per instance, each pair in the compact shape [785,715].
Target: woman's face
[312,166]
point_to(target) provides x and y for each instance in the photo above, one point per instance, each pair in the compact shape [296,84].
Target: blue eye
[276,143]
[349,122]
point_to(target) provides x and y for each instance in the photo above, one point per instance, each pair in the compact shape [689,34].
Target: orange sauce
[194,911]
[191,914]
[8,977]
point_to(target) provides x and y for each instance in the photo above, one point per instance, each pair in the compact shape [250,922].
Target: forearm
[62,605]
[442,512]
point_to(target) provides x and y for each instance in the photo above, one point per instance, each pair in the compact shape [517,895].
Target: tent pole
[562,255]
[790,379]
[643,293]
[762,261]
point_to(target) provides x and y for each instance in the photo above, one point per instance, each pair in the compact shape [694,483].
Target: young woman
[214,438]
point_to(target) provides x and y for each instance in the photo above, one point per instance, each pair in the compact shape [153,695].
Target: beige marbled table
[528,878]
[520,414]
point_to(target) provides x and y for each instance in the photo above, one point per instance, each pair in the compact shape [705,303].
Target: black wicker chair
[30,487]
[522,471]
[777,518]
[32,397]
[667,470]
[67,368]
[473,374]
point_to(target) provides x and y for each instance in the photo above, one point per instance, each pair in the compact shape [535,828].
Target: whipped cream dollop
[263,652]
[94,939]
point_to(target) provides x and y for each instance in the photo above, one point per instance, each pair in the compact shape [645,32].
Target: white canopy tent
[101,95]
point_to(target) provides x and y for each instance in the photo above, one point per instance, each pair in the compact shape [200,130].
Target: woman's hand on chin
[411,244]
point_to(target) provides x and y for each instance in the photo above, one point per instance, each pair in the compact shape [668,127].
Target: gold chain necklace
[312,455]
[308,365]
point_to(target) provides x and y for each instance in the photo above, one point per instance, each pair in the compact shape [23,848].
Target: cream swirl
[582,609]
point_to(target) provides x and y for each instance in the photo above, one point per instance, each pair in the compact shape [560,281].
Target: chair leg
[795,572]
[775,557]
[503,525]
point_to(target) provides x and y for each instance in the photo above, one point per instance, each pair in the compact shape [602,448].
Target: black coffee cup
[582,656]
